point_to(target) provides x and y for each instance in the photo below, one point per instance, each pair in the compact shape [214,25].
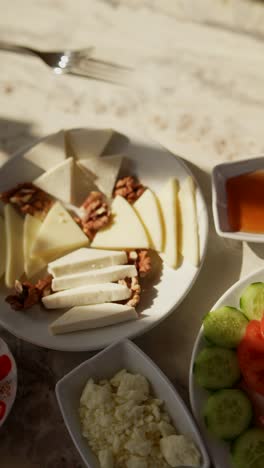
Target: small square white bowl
[220,174]
[123,354]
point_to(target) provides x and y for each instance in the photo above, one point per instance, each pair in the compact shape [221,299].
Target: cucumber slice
[228,413]
[216,368]
[225,326]
[248,449]
[252,301]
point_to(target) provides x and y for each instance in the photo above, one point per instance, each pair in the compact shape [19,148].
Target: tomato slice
[254,335]
[262,325]
[251,363]
[5,366]
[2,409]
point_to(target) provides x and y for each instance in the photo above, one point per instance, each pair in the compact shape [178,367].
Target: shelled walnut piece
[129,187]
[134,286]
[142,261]
[96,214]
[28,199]
[28,294]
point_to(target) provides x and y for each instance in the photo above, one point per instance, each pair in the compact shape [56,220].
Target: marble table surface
[200,94]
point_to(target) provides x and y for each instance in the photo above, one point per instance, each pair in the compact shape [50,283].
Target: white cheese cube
[85,295]
[102,275]
[83,260]
[92,316]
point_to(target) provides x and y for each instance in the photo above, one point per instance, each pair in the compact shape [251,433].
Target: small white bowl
[220,174]
[105,364]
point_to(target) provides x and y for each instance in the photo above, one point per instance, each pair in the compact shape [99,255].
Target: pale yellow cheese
[105,170]
[14,227]
[92,316]
[48,152]
[189,235]
[2,247]
[58,181]
[124,232]
[83,184]
[32,265]
[168,198]
[148,210]
[58,235]
[86,142]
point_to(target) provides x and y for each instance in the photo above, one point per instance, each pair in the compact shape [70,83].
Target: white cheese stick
[86,259]
[2,247]
[103,275]
[85,295]
[92,316]
[14,226]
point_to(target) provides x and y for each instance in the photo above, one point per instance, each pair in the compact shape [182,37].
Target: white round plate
[154,166]
[218,450]
[8,382]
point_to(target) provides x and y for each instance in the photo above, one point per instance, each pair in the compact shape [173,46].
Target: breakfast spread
[245,202]
[92,230]
[141,435]
[232,366]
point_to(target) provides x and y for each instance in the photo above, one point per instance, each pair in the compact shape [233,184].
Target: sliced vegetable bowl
[227,376]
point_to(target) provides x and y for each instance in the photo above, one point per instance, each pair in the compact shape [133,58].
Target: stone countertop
[200,95]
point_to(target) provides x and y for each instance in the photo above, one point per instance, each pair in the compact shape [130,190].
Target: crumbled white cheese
[127,428]
[178,451]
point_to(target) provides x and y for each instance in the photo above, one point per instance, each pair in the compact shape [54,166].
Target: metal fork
[77,62]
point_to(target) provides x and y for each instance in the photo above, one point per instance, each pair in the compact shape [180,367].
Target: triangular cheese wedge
[189,235]
[83,184]
[58,181]
[149,212]
[32,265]
[2,247]
[106,170]
[48,152]
[85,142]
[58,235]
[168,199]
[14,246]
[92,316]
[125,231]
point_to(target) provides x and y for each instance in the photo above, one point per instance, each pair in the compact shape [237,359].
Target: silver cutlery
[76,62]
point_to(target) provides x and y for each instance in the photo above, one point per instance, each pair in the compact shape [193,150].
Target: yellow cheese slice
[189,235]
[105,169]
[2,247]
[58,181]
[168,198]
[48,152]
[58,235]
[125,231]
[148,209]
[83,184]
[14,246]
[32,265]
[85,142]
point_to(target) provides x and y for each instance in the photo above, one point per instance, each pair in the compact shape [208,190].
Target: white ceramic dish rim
[221,301]
[13,379]
[173,305]
[243,166]
[156,370]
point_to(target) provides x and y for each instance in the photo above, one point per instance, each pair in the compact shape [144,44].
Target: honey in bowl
[245,202]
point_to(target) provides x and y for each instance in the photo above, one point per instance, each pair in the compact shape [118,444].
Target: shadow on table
[170,344]
[14,134]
